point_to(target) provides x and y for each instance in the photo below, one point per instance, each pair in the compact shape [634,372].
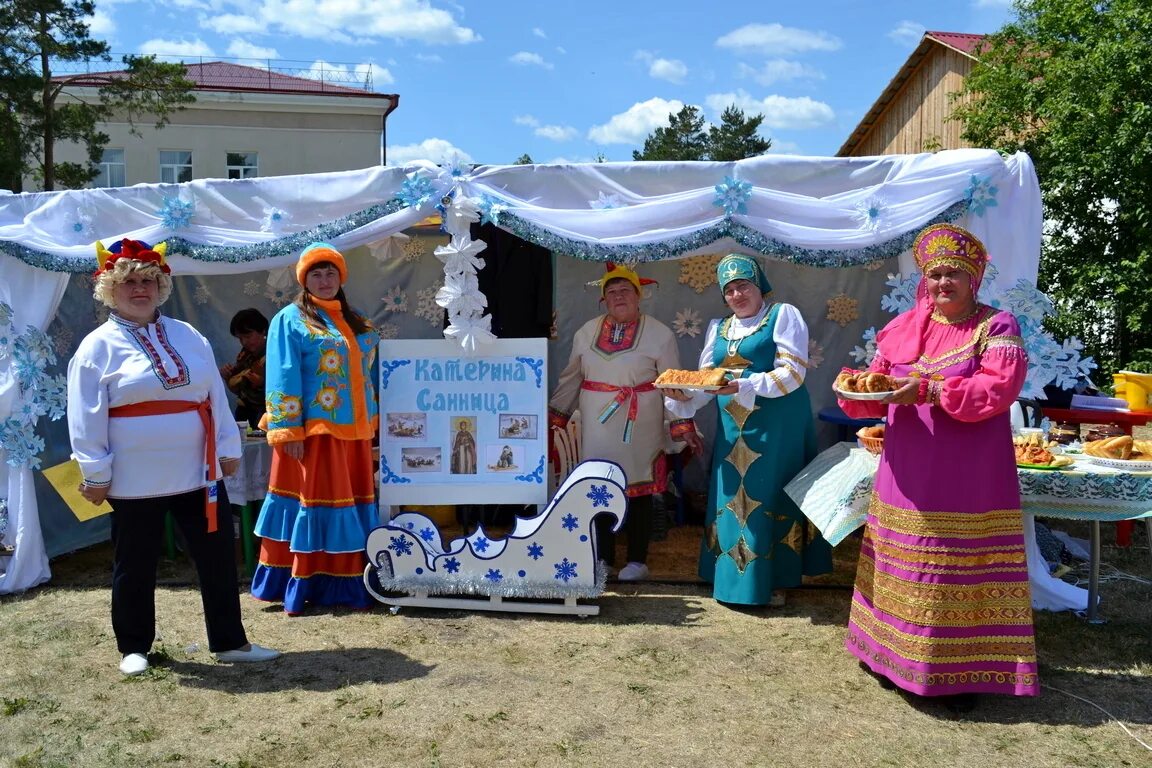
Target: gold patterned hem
[1011,649]
[945,525]
[951,679]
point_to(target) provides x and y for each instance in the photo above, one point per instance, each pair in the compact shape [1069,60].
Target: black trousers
[137,537]
[638,527]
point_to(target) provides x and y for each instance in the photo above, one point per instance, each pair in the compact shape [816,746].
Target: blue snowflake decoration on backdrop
[599,496]
[491,209]
[570,522]
[605,202]
[902,297]
[427,534]
[274,220]
[870,213]
[175,213]
[535,551]
[481,544]
[452,565]
[863,355]
[416,191]
[36,392]
[494,575]
[981,195]
[732,195]
[565,570]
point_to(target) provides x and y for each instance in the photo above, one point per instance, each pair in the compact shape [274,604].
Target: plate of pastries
[1121,453]
[864,385]
[1033,451]
[706,380]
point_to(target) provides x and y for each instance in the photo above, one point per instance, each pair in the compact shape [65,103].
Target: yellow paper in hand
[65,478]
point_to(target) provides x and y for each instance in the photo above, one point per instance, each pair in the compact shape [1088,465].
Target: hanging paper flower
[687,323]
[815,353]
[471,332]
[274,220]
[605,202]
[175,213]
[461,294]
[981,195]
[427,308]
[732,195]
[870,213]
[460,255]
[281,286]
[416,191]
[396,300]
[413,249]
[462,213]
[251,288]
[456,164]
[388,330]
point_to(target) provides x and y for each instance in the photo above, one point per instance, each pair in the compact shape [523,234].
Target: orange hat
[130,249]
[319,252]
[614,271]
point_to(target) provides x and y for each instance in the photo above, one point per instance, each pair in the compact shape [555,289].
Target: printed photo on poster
[463,445]
[518,426]
[423,459]
[504,458]
[407,426]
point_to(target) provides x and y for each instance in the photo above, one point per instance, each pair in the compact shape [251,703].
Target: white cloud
[430,58]
[561,50]
[671,70]
[363,21]
[634,125]
[780,112]
[242,49]
[436,150]
[176,48]
[100,24]
[777,40]
[907,33]
[527,120]
[557,132]
[779,71]
[354,75]
[539,33]
[524,58]
[232,24]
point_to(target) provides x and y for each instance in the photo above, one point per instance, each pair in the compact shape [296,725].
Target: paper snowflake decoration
[388,331]
[427,308]
[902,297]
[699,272]
[491,209]
[201,295]
[281,286]
[395,300]
[687,323]
[981,195]
[251,288]
[732,195]
[61,340]
[274,220]
[175,213]
[863,355]
[815,354]
[416,191]
[843,309]
[871,213]
[413,249]
[605,202]
[80,222]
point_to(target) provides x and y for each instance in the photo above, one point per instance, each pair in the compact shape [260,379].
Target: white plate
[861,395]
[688,388]
[1124,465]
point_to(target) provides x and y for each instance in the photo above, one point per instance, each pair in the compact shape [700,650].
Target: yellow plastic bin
[1136,388]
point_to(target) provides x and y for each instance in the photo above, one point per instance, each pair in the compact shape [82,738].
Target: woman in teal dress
[756,541]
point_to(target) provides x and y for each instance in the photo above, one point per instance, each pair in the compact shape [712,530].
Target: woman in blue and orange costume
[756,541]
[322,415]
[615,359]
[147,413]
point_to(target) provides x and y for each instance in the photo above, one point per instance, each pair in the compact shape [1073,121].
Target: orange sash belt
[204,409]
[622,394]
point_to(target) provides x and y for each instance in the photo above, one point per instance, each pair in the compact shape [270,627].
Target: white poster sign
[463,429]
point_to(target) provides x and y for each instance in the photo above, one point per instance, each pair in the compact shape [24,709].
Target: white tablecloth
[250,483]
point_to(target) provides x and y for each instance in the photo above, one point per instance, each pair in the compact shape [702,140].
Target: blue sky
[567,80]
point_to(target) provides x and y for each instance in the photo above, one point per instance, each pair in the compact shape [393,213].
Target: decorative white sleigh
[551,556]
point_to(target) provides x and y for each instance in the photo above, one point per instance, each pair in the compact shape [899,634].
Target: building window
[175,166]
[242,165]
[111,169]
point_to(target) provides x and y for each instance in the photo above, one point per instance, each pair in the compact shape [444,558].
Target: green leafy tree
[524,159]
[1070,83]
[737,137]
[685,137]
[35,37]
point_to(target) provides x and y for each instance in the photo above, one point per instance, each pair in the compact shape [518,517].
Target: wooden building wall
[915,120]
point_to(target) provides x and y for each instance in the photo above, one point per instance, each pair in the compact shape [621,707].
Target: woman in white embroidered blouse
[142,392]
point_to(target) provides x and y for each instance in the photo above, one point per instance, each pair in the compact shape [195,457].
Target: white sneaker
[254,654]
[633,572]
[134,664]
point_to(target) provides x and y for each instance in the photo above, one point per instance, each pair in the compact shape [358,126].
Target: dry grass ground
[663,677]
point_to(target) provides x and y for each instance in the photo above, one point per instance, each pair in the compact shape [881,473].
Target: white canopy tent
[799,213]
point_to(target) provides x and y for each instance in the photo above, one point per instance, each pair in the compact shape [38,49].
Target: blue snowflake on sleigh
[565,570]
[599,496]
[400,545]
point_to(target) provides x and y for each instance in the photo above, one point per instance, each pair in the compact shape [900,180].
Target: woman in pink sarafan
[942,605]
